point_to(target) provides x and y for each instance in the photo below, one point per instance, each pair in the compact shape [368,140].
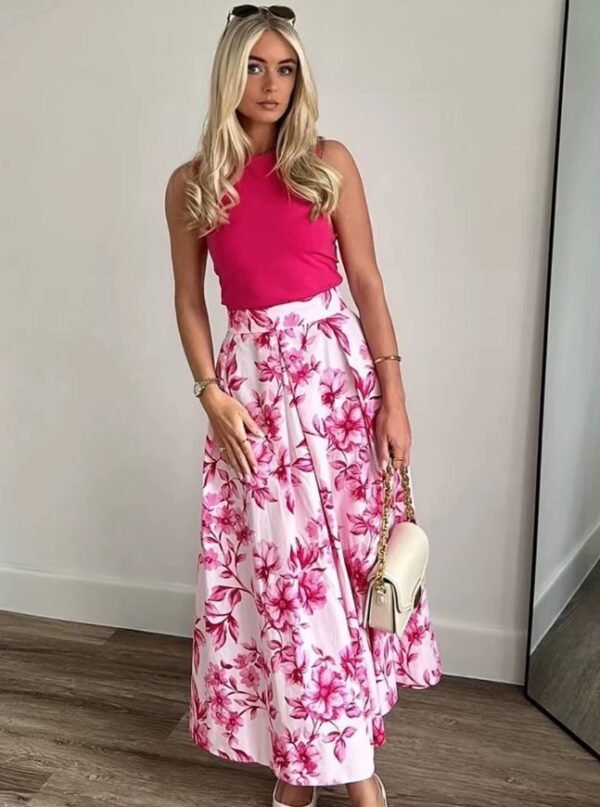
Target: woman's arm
[228,417]
[355,238]
[188,256]
[352,224]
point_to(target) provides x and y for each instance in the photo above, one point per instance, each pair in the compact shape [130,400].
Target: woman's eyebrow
[264,61]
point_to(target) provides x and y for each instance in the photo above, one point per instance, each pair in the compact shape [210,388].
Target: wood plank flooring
[93,716]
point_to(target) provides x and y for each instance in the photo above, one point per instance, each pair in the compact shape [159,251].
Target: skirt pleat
[283,673]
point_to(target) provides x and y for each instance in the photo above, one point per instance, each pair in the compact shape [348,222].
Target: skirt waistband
[283,316]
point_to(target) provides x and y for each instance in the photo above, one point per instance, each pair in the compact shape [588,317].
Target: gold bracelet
[393,356]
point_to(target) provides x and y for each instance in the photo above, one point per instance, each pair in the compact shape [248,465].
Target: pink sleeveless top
[270,251]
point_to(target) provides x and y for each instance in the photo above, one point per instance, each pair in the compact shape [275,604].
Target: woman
[301,422]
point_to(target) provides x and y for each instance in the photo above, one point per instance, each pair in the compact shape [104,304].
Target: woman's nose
[270,84]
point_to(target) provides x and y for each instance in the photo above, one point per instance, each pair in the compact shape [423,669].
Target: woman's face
[272,70]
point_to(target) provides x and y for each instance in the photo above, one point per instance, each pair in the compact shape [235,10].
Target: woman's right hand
[229,419]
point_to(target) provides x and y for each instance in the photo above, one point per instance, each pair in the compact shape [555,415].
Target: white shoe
[382,788]
[311,803]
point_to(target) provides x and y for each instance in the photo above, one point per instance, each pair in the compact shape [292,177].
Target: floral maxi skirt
[283,672]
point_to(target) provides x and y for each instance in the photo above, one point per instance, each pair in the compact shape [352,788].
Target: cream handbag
[395,588]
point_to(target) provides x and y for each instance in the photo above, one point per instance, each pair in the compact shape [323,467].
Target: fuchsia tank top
[270,251]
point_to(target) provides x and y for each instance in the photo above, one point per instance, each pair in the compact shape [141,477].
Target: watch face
[197,387]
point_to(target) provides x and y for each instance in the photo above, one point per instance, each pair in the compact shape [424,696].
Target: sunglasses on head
[283,12]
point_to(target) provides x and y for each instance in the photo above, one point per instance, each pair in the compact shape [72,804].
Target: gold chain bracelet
[393,356]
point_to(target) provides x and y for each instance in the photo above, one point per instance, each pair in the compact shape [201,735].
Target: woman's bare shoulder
[337,155]
[175,190]
[182,173]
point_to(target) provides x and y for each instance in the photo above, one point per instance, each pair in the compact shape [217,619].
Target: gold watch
[200,386]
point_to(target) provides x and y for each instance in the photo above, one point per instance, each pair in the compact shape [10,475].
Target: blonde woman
[305,405]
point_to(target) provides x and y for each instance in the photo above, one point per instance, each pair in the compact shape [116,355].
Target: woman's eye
[287,70]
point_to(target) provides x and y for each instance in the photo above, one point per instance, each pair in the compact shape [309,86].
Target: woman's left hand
[393,435]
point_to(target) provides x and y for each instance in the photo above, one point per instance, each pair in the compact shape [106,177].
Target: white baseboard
[467,650]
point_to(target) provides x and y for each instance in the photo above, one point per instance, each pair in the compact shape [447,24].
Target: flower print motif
[250,677]
[270,369]
[256,656]
[365,352]
[263,339]
[391,697]
[359,574]
[213,500]
[201,734]
[263,453]
[325,696]
[209,559]
[281,602]
[371,407]
[280,749]
[291,320]
[301,372]
[415,633]
[282,469]
[351,659]
[357,482]
[333,386]
[315,527]
[345,426]
[303,759]
[244,535]
[378,731]
[294,358]
[312,591]
[304,556]
[197,718]
[218,624]
[220,704]
[266,560]
[242,660]
[236,317]
[335,327]
[259,491]
[268,416]
[233,722]
[226,520]
[215,675]
[294,664]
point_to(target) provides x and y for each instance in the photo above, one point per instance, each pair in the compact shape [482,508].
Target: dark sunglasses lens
[283,11]
[244,11]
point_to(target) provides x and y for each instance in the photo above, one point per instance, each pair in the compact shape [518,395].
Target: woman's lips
[269,104]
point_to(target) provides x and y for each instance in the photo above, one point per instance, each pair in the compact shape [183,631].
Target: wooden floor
[93,716]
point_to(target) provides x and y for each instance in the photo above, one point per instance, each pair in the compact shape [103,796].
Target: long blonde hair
[225,148]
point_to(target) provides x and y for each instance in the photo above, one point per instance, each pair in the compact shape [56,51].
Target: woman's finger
[249,454]
[232,456]
[400,454]
[236,452]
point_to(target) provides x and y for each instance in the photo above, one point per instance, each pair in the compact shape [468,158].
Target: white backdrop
[449,109]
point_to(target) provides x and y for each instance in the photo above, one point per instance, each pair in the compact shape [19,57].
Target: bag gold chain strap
[385,527]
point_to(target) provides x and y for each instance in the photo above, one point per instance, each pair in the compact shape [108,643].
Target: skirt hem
[357,776]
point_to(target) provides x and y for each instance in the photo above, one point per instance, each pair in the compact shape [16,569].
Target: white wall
[449,109]
[569,519]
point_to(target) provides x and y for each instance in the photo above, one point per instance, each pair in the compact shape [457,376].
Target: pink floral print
[283,672]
